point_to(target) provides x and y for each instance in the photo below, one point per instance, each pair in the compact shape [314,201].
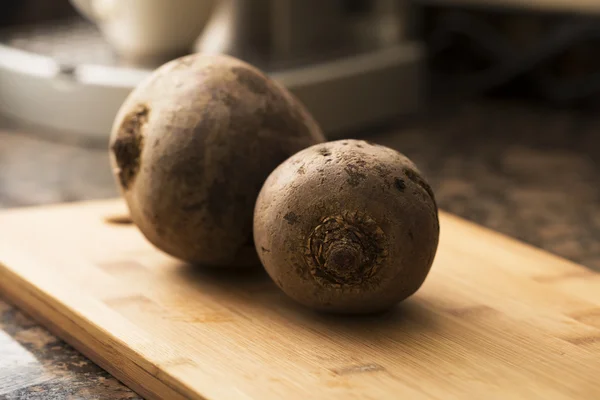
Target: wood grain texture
[496,319]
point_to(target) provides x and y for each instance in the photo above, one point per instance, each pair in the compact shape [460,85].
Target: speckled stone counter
[531,173]
[36,365]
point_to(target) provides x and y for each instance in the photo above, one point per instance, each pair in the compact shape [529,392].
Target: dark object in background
[19,12]
[547,55]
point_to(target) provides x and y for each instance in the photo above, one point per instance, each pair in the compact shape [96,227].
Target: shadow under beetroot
[253,294]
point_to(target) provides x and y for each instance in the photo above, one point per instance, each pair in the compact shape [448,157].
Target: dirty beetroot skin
[191,147]
[347,227]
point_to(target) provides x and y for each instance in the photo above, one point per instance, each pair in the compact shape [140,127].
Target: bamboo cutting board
[496,319]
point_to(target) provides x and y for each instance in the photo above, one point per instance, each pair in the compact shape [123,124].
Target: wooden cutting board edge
[39,305]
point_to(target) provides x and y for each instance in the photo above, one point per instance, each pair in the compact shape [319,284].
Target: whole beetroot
[191,147]
[347,227]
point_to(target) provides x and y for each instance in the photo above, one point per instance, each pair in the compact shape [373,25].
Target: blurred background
[495,100]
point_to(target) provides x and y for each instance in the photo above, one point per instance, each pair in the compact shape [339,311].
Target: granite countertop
[529,172]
